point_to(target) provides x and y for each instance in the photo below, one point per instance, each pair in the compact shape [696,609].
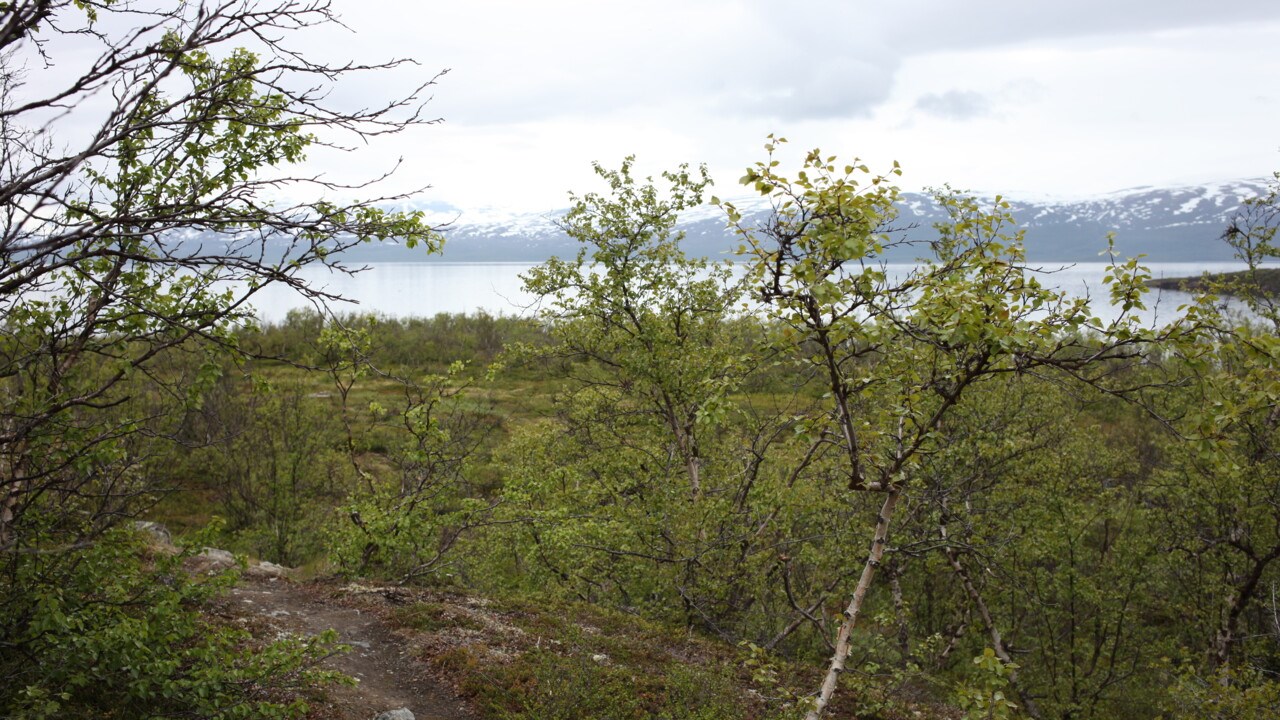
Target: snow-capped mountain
[1166,224]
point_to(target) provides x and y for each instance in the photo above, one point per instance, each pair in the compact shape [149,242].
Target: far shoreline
[1226,283]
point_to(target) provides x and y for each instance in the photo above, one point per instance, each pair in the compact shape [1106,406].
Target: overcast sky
[1047,98]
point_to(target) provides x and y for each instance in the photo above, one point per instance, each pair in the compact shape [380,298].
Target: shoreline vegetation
[1265,280]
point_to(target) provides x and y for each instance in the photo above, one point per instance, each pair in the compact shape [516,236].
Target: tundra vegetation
[813,489]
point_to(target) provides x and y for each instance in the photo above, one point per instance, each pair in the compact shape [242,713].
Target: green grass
[533,656]
[539,657]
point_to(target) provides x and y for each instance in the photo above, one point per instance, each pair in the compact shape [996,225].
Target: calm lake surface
[425,289]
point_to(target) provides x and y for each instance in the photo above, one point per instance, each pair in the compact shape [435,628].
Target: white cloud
[1077,97]
[1064,97]
[954,104]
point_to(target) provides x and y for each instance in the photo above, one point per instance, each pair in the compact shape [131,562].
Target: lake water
[426,289]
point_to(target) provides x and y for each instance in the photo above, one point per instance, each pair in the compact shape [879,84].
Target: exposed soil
[388,676]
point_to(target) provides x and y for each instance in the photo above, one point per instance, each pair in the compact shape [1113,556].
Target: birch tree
[915,340]
[148,154]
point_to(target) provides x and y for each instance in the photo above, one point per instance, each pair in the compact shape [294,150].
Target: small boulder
[267,571]
[160,534]
[397,714]
[210,560]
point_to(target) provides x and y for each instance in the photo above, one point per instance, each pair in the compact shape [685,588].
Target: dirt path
[388,677]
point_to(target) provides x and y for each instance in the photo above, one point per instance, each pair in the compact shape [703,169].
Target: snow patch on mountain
[1169,224]
[1182,223]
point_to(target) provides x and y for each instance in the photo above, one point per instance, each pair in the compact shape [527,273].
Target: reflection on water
[425,289]
[411,290]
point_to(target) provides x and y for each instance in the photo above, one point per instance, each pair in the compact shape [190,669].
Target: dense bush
[117,627]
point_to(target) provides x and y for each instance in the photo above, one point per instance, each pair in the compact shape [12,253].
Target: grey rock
[159,533]
[210,560]
[221,557]
[267,571]
[398,714]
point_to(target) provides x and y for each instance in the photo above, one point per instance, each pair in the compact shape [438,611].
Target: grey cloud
[743,58]
[725,57]
[726,82]
[954,105]
[927,25]
[1021,91]
[830,87]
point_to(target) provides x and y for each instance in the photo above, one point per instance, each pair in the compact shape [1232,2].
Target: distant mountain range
[1175,224]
